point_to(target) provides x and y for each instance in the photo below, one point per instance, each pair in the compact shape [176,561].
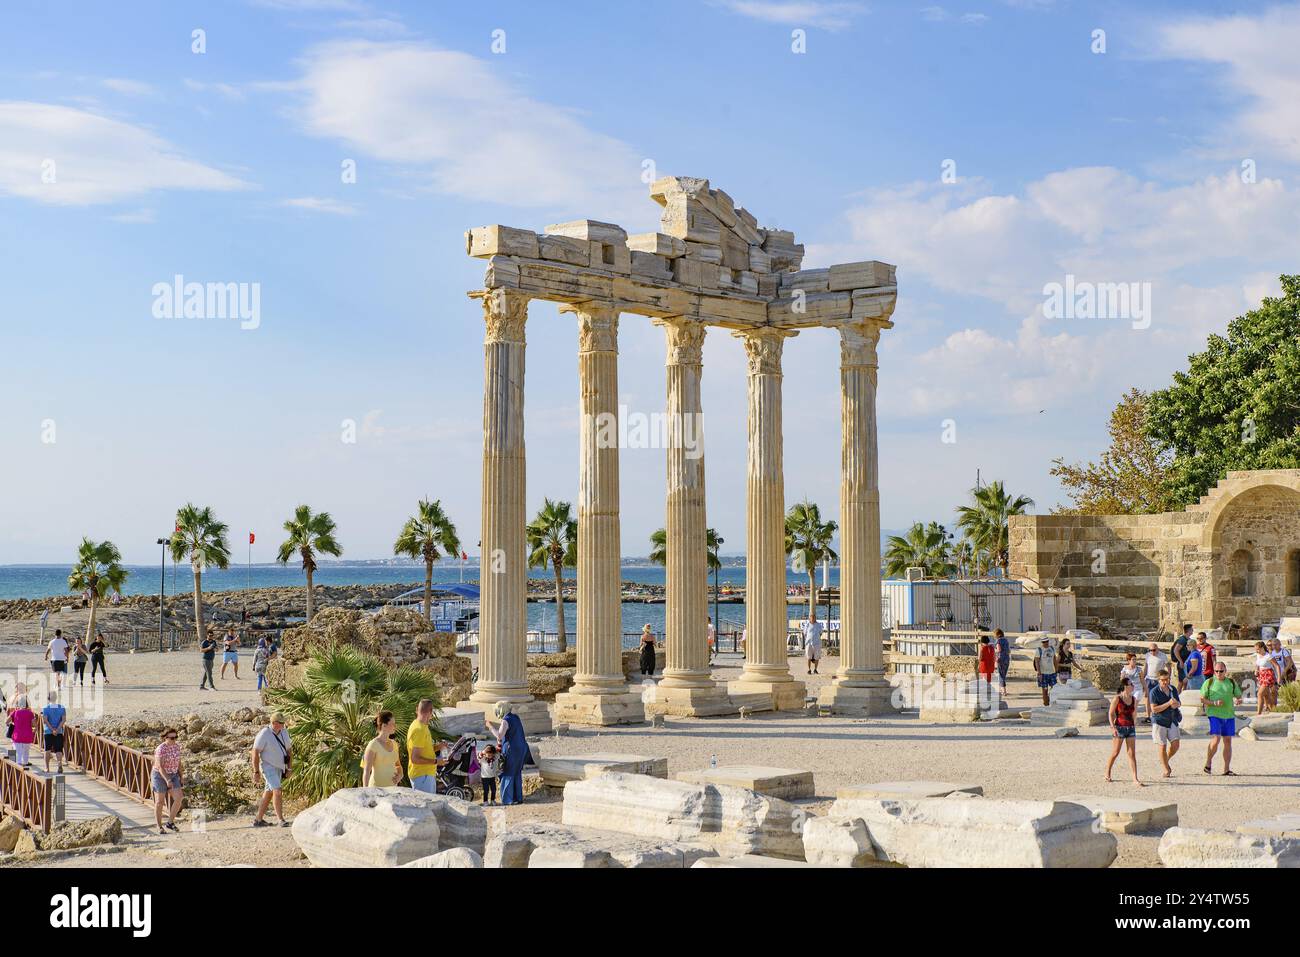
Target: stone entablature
[1231,559]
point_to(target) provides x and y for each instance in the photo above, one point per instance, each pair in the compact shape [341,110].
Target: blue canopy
[464,591]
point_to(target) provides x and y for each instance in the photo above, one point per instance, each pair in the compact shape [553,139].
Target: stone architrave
[767,667]
[687,687]
[1202,848]
[859,686]
[600,694]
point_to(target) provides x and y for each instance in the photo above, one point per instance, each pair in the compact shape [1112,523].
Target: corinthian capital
[858,344]
[505,313]
[763,347]
[685,340]
[597,326]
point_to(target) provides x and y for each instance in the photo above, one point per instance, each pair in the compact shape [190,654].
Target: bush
[221,788]
[1288,697]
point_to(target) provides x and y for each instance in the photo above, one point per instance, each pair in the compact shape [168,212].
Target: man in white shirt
[812,641]
[1156,662]
[271,750]
[56,653]
[1045,666]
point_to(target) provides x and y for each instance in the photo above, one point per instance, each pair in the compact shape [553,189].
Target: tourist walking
[515,753]
[22,730]
[1219,696]
[713,638]
[1165,719]
[165,779]
[209,651]
[1266,677]
[1286,670]
[1045,667]
[56,653]
[271,762]
[1133,672]
[1209,655]
[988,658]
[1178,653]
[97,649]
[230,653]
[381,765]
[79,655]
[53,718]
[489,768]
[1195,668]
[647,650]
[420,751]
[1123,711]
[1004,657]
[812,641]
[1156,662]
[261,658]
[1064,661]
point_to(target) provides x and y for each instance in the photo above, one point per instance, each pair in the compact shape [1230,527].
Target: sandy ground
[1009,759]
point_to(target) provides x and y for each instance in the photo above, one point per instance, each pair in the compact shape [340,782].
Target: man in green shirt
[1219,695]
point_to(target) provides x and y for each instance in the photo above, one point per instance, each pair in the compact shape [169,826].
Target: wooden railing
[27,795]
[121,768]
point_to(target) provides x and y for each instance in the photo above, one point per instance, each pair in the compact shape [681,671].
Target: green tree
[553,543]
[428,534]
[712,543]
[201,540]
[984,523]
[1236,406]
[808,542]
[310,534]
[1132,475]
[923,546]
[98,570]
[332,715]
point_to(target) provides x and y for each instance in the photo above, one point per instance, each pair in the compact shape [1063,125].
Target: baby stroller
[456,777]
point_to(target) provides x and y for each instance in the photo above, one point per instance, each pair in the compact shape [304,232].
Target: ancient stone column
[600,693]
[503,573]
[859,686]
[687,686]
[767,669]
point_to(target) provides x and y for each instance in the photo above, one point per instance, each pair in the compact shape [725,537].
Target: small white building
[963,603]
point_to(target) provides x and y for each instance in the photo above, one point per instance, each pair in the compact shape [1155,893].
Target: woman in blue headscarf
[514,753]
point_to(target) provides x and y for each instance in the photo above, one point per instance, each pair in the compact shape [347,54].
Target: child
[489,767]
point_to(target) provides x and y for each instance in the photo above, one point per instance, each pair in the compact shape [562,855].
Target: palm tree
[808,539]
[98,571]
[984,521]
[424,533]
[553,542]
[310,533]
[332,714]
[201,539]
[712,542]
[924,546]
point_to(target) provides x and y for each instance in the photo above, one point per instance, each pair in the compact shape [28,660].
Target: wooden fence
[27,795]
[121,768]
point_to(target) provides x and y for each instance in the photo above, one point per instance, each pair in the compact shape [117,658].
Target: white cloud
[320,204]
[799,13]
[1258,53]
[454,121]
[228,90]
[129,87]
[90,158]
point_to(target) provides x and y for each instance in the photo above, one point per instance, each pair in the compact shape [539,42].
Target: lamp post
[162,589]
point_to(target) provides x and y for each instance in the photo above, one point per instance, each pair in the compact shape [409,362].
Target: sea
[42,581]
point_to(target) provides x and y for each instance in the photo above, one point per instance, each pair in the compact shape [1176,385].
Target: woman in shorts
[166,780]
[1267,676]
[1122,712]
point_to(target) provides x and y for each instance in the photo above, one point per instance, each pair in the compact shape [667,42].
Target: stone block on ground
[1271,725]
[563,846]
[1202,848]
[786,783]
[749,861]
[1284,825]
[386,827]
[452,857]
[731,820]
[1075,704]
[907,789]
[457,721]
[559,771]
[945,832]
[1123,815]
[832,843]
[956,715]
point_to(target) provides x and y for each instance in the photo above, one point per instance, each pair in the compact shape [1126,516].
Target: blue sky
[224,166]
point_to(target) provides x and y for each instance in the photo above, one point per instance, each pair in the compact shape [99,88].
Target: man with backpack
[1178,653]
[53,717]
[1219,695]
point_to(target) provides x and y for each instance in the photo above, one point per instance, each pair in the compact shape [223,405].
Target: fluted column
[859,683]
[600,609]
[686,593]
[767,665]
[502,661]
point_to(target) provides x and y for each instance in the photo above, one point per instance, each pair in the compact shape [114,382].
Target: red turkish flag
[463,556]
[251,538]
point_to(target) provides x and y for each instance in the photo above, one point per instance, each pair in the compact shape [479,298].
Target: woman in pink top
[166,780]
[24,720]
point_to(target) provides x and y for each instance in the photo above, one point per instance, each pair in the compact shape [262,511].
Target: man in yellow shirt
[423,764]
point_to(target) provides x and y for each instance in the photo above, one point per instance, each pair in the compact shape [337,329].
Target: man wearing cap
[271,761]
[1045,665]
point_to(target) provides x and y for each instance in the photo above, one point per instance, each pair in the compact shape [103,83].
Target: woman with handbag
[515,753]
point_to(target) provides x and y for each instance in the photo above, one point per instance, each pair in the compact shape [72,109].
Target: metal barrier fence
[178,639]
[27,795]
